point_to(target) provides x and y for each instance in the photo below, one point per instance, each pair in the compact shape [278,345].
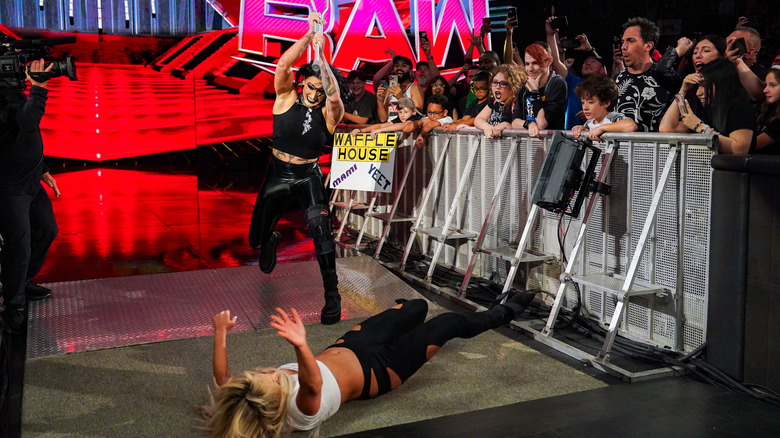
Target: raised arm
[334,107]
[309,377]
[222,323]
[468,55]
[752,83]
[27,115]
[432,67]
[552,41]
[509,58]
[384,71]
[453,80]
[284,77]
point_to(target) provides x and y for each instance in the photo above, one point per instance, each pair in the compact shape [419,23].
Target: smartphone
[617,42]
[511,12]
[680,103]
[569,44]
[740,45]
[486,24]
[393,80]
[424,36]
[560,23]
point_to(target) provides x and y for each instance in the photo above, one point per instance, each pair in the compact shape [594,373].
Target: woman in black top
[303,121]
[767,139]
[497,115]
[715,103]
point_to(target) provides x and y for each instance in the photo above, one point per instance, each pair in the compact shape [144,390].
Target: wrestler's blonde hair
[249,407]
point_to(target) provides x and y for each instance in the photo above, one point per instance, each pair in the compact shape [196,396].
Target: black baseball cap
[404,59]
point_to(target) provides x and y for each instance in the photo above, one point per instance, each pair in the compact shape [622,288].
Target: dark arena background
[160,148]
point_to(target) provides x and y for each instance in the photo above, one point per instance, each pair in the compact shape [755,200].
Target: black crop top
[301,131]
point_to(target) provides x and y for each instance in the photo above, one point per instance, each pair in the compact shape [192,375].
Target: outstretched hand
[223,321]
[290,329]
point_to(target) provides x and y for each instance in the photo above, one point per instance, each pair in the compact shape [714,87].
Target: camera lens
[65,68]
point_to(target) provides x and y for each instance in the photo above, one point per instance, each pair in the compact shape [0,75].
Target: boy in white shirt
[598,94]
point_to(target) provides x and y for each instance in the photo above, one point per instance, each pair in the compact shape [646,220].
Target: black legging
[398,339]
[283,182]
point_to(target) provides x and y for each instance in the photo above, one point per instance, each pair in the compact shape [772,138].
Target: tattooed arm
[283,78]
[334,107]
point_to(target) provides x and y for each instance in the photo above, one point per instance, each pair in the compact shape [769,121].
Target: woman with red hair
[541,104]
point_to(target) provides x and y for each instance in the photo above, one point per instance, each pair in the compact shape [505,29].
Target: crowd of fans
[712,85]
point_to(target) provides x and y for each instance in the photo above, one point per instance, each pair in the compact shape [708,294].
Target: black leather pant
[284,182]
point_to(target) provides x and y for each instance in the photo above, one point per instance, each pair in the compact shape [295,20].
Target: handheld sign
[363,163]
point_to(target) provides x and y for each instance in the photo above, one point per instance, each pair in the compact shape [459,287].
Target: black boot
[267,259]
[331,312]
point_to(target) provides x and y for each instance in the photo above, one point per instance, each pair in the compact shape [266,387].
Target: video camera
[17,54]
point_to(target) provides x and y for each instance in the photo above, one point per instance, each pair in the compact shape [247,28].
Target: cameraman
[26,218]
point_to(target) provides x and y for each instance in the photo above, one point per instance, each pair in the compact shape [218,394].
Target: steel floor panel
[113,312]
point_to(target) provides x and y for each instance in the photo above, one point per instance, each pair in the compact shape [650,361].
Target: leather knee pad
[320,228]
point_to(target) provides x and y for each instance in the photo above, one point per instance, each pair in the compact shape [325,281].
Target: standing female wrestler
[303,122]
[376,356]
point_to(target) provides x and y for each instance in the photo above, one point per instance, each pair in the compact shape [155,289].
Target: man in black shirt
[360,106]
[642,93]
[26,218]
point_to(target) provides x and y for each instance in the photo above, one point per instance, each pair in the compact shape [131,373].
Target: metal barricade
[676,253]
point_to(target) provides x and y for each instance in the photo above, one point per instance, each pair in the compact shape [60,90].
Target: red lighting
[121,222]
[145,112]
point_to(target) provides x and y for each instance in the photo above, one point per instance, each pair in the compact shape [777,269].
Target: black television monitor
[561,174]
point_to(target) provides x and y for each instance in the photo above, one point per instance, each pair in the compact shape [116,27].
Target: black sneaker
[14,320]
[267,259]
[34,291]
